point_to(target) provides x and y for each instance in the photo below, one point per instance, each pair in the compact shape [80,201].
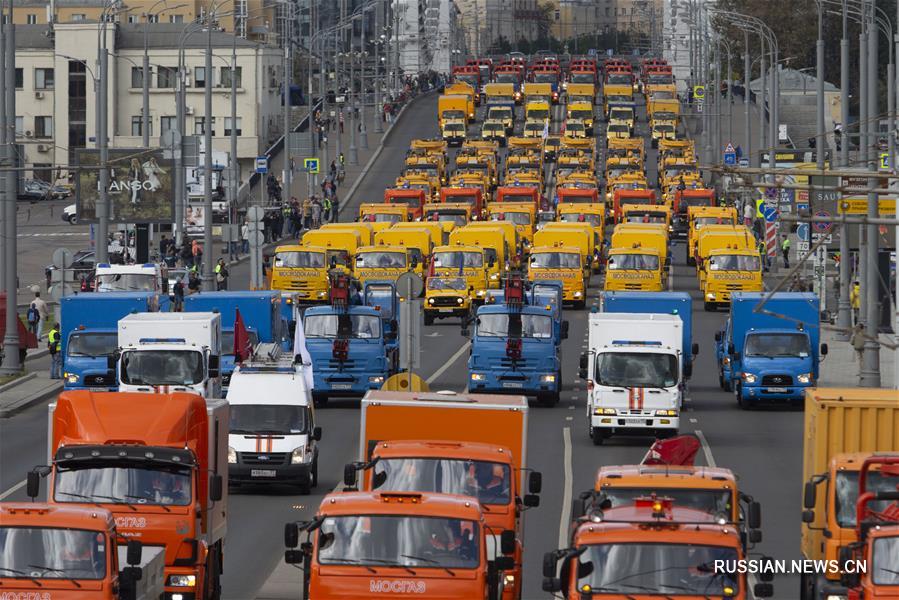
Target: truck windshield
[494,128]
[458,259]
[634,262]
[516,198]
[885,551]
[580,114]
[448,216]
[636,369]
[45,553]
[486,481]
[713,502]
[381,260]
[578,199]
[284,419]
[537,113]
[735,263]
[658,79]
[355,326]
[582,78]
[507,78]
[499,113]
[123,485]
[593,219]
[447,283]
[454,127]
[847,494]
[385,540]
[534,128]
[618,98]
[383,217]
[678,569]
[498,325]
[453,114]
[646,217]
[555,260]
[92,344]
[309,260]
[777,345]
[699,222]
[619,79]
[546,78]
[620,115]
[462,198]
[126,282]
[618,128]
[162,367]
[518,218]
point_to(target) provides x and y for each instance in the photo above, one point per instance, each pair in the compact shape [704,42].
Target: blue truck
[352,350]
[89,334]
[771,351]
[665,303]
[382,296]
[515,348]
[261,314]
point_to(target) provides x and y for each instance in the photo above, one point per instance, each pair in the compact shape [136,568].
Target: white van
[273,436]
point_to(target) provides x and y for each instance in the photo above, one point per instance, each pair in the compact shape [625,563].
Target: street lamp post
[363,55]
[11,341]
[351,102]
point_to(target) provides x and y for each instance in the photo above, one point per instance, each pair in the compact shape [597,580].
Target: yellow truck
[633,268]
[382,216]
[730,270]
[500,94]
[522,214]
[651,235]
[561,263]
[364,231]
[381,263]
[454,107]
[460,88]
[303,270]
[449,214]
[700,216]
[713,237]
[579,229]
[623,115]
[537,111]
[503,114]
[616,95]
[416,241]
[582,111]
[593,214]
[843,427]
[663,110]
[493,242]
[437,231]
[471,263]
[581,92]
[662,130]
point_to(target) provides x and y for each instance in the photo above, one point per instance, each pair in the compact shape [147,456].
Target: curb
[36,398]
[17,382]
[35,355]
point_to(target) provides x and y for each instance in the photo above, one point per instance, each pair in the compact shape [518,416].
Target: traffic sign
[409,284]
[884,160]
[699,92]
[729,148]
[770,214]
[730,158]
[802,232]
[803,246]
[262,164]
[311,165]
[823,227]
[62,258]
[771,193]
[759,205]
[744,162]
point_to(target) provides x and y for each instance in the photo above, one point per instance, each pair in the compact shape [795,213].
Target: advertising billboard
[141,188]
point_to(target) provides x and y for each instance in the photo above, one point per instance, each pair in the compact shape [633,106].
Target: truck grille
[734,287]
[263,458]
[345,365]
[444,301]
[520,364]
[99,380]
[777,380]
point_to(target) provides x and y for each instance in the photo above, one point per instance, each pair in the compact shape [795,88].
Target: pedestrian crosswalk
[56,234]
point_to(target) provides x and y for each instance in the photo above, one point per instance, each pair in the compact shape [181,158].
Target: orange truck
[413,198]
[158,463]
[73,553]
[622,197]
[518,193]
[478,442]
[368,545]
[578,195]
[471,196]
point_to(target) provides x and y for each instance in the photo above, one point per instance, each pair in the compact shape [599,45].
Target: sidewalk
[841,365]
[33,387]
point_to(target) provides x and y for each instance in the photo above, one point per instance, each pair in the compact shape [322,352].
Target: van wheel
[597,435]
[314,482]
[738,392]
[709,306]
[549,400]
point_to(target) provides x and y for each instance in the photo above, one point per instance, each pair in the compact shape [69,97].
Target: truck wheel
[315,473]
[738,392]
[691,262]
[580,304]
[597,435]
[709,306]
[213,576]
[429,319]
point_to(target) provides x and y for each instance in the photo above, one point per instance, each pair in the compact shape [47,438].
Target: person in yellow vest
[55,356]
[855,300]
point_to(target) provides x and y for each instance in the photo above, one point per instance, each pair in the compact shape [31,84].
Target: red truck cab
[625,196]
[413,198]
[519,194]
[467,195]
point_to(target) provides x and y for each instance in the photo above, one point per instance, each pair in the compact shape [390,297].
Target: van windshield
[162,367]
[284,419]
[46,553]
[298,259]
[636,369]
[486,481]
[777,345]
[92,344]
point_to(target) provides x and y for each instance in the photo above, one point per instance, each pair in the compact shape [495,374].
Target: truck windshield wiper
[430,561]
[52,570]
[23,574]
[351,561]
[160,504]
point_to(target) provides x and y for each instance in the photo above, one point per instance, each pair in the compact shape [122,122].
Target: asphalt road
[763,447]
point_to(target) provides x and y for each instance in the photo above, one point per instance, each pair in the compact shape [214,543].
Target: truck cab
[561,263]
[382,216]
[303,269]
[163,352]
[147,277]
[413,198]
[272,438]
[634,268]
[492,240]
[729,270]
[634,367]
[701,216]
[513,348]
[351,352]
[470,263]
[382,263]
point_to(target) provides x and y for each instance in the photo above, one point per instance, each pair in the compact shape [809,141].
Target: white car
[70,214]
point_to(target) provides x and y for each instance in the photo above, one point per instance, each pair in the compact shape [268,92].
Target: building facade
[483,22]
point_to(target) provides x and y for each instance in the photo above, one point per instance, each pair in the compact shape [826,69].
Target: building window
[228,126]
[199,123]
[167,77]
[226,76]
[20,78]
[43,79]
[137,77]
[168,124]
[176,18]
[43,127]
[152,18]
[79,17]
[31,19]
[557,15]
[132,19]
[20,126]
[137,126]
[200,77]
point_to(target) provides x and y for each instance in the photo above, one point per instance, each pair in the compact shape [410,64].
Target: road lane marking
[566,492]
[13,489]
[709,459]
[448,363]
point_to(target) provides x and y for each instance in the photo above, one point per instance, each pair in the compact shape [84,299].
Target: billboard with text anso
[141,188]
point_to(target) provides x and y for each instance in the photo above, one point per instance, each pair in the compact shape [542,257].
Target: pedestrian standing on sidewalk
[855,300]
[221,275]
[748,214]
[316,212]
[178,295]
[55,356]
[785,251]
[307,213]
[326,209]
[245,237]
[37,312]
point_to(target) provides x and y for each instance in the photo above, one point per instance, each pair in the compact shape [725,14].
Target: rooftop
[131,36]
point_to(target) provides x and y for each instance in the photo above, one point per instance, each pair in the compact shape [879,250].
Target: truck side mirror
[531,500]
[111,361]
[507,542]
[824,349]
[33,484]
[754,519]
[535,482]
[731,349]
[291,535]
[317,434]
[552,584]
[134,552]
[564,330]
[216,487]
[717,336]
[688,370]
[549,565]
[808,516]
[349,475]
[504,563]
[755,536]
[293,557]
[582,366]
[465,332]
[695,348]
[809,495]
[213,365]
[763,590]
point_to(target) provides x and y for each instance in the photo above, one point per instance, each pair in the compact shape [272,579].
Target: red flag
[680,451]
[242,346]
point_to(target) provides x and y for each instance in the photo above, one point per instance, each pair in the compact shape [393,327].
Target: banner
[141,186]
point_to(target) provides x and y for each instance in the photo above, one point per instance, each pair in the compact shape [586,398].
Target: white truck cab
[170,352]
[146,277]
[273,437]
[634,372]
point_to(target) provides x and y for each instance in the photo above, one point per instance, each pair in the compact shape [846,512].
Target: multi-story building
[56,94]
[485,21]
[572,19]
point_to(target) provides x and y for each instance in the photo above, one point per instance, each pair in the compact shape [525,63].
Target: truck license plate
[262,472]
[341,386]
[512,384]
[777,390]
[445,310]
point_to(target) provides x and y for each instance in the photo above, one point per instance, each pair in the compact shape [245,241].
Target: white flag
[299,349]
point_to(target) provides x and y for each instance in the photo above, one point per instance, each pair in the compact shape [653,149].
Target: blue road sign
[802,232]
[730,158]
[311,165]
[822,227]
[770,213]
[744,162]
[262,164]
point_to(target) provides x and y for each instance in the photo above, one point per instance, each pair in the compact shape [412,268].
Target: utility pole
[379,38]
[844,314]
[102,208]
[351,101]
[747,68]
[11,342]
[285,108]
[760,101]
[235,164]
[363,55]
[821,133]
[179,151]
[209,255]
[323,94]
[3,145]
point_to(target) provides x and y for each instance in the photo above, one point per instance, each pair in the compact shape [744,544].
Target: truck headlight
[666,413]
[459,300]
[430,301]
[181,580]
[301,455]
[508,580]
[604,411]
[323,294]
[548,379]
[232,456]
[804,378]
[71,377]
[710,296]
[376,379]
[749,378]
[478,377]
[578,294]
[494,277]
[726,360]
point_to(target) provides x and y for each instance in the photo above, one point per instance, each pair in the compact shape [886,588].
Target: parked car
[33,191]
[82,263]
[60,192]
[70,214]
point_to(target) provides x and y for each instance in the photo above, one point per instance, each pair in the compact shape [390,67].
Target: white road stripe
[566,490]
[13,489]
[448,363]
